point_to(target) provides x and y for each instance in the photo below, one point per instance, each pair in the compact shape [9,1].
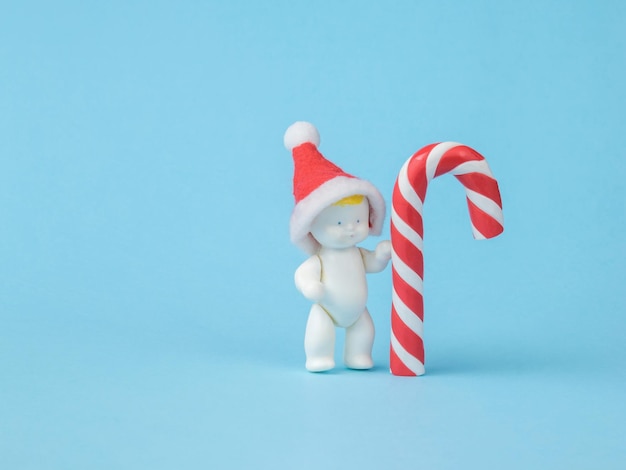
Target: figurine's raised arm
[377,260]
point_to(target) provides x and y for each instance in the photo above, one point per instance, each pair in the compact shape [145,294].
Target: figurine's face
[342,226]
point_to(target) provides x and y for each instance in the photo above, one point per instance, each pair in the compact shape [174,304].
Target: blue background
[148,317]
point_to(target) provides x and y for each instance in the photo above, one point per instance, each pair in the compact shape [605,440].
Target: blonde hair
[354,200]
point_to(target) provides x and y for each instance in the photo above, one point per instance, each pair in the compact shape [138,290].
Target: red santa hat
[319,183]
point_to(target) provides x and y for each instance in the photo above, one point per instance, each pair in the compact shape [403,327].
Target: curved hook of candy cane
[407,232]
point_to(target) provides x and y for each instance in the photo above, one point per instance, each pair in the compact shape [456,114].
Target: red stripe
[416,171]
[407,293]
[482,184]
[409,253]
[483,222]
[410,341]
[456,156]
[406,211]
[397,367]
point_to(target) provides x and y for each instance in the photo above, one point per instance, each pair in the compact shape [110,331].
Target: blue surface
[148,317]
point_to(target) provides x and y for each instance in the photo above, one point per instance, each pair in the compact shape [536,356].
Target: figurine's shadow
[341,369]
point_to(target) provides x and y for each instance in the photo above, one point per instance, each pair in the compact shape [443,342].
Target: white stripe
[434,157]
[472,166]
[406,188]
[412,363]
[406,230]
[406,273]
[408,317]
[485,204]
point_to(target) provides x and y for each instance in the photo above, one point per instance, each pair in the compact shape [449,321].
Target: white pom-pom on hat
[299,133]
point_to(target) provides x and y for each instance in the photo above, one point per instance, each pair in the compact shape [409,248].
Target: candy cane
[407,231]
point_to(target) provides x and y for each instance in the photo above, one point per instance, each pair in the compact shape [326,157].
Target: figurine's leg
[319,340]
[359,342]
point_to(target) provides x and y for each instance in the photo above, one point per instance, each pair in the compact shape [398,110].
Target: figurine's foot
[320,364]
[361,362]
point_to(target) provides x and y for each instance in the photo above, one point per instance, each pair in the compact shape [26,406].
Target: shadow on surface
[502,360]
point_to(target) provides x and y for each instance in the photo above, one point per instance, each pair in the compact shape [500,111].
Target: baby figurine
[334,212]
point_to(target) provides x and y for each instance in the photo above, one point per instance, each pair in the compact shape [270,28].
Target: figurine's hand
[313,290]
[383,251]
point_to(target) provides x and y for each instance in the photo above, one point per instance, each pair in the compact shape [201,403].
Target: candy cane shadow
[499,360]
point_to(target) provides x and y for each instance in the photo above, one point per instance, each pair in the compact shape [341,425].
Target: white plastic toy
[334,212]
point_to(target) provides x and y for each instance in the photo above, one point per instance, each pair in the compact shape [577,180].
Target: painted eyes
[358,221]
[339,223]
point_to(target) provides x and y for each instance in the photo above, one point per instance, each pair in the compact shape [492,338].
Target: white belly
[343,276]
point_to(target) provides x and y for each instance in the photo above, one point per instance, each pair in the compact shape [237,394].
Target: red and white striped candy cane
[407,231]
